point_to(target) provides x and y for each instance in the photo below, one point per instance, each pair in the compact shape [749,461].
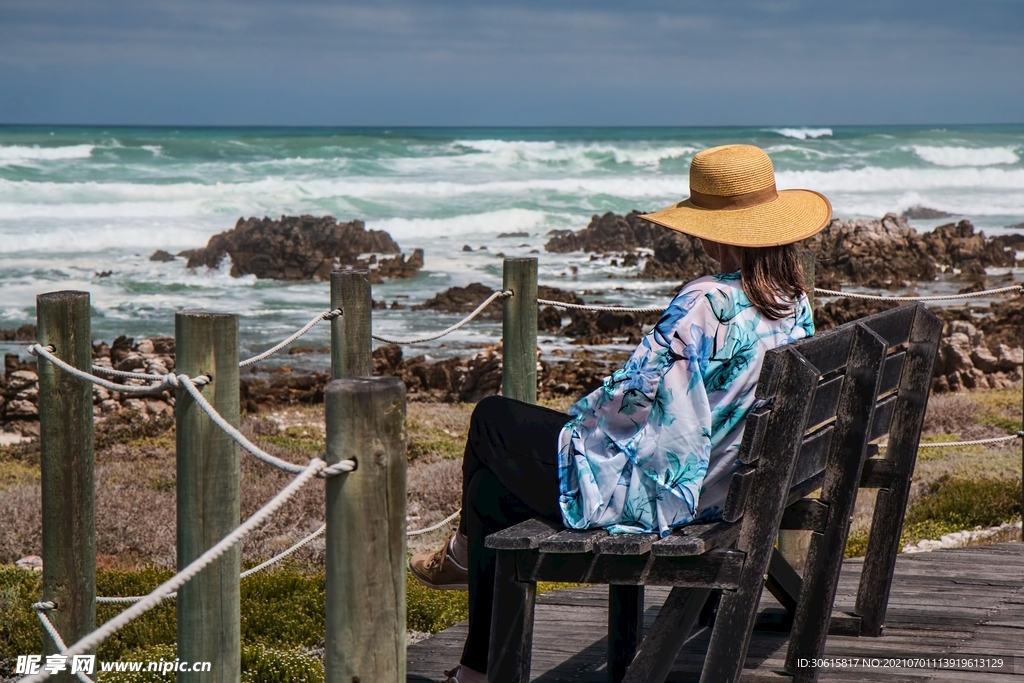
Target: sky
[498,62]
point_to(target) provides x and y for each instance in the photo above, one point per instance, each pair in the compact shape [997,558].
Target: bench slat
[739,485]
[893,325]
[877,474]
[572,541]
[891,372]
[697,539]
[826,401]
[624,544]
[753,435]
[812,454]
[523,536]
[883,417]
[807,514]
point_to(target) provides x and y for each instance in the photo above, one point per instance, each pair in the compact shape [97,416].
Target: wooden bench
[826,400]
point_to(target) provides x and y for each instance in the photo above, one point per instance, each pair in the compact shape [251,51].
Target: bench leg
[511,646]
[668,634]
[625,627]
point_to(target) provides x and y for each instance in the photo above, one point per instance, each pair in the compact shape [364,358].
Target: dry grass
[960,417]
[135,510]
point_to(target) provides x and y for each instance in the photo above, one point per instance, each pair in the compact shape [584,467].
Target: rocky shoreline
[981,348]
[302,248]
[976,352]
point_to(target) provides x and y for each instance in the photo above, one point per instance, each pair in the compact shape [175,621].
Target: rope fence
[938,297]
[459,325]
[319,467]
[41,608]
[161,592]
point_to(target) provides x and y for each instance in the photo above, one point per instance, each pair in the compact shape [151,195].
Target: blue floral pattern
[655,446]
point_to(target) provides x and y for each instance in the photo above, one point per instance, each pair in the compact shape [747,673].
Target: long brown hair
[772,278]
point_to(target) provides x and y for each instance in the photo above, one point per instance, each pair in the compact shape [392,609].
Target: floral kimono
[655,446]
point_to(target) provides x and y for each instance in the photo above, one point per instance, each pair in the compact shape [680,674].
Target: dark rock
[25,333]
[162,256]
[104,273]
[675,256]
[924,212]
[466,247]
[465,299]
[591,328]
[889,252]
[513,234]
[304,248]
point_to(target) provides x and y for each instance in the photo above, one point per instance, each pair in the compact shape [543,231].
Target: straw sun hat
[733,200]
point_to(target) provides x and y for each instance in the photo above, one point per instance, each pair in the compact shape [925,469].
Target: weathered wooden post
[350,333]
[519,330]
[365,610]
[208,496]
[794,545]
[66,443]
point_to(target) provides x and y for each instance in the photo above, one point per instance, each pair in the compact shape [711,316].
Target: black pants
[509,474]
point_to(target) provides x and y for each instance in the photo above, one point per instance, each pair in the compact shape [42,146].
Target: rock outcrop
[978,350]
[304,248]
[889,253]
[880,253]
[25,333]
[666,254]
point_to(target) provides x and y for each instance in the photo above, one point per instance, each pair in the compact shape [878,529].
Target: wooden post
[208,496]
[66,442]
[519,330]
[350,333]
[365,610]
[794,545]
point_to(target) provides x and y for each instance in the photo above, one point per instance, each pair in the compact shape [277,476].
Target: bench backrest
[893,376]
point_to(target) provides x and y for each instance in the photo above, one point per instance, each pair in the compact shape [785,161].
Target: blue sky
[533,62]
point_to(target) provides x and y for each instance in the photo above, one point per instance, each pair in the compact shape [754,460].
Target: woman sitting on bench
[654,447]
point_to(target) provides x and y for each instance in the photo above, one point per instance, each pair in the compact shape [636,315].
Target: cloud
[530,62]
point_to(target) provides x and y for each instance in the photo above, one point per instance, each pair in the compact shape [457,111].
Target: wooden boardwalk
[964,603]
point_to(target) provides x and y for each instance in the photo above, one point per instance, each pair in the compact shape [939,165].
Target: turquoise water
[79,201]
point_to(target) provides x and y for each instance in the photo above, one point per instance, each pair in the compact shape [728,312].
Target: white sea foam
[467,225]
[966,156]
[803,133]
[581,156]
[13,155]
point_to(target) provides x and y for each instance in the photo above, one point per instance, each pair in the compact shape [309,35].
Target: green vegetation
[430,611]
[953,504]
[125,428]
[282,611]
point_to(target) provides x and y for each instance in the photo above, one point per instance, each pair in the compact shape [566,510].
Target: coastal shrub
[952,504]
[967,503]
[19,628]
[126,427]
[281,610]
[260,664]
[430,610]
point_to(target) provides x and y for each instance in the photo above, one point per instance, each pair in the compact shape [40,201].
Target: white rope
[181,578]
[456,326]
[329,315]
[248,572]
[435,527]
[249,446]
[57,640]
[958,444]
[938,297]
[166,381]
[104,370]
[587,307]
[286,553]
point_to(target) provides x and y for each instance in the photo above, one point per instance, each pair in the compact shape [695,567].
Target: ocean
[85,207]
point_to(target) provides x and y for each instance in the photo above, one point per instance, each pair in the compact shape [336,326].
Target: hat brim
[794,215]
